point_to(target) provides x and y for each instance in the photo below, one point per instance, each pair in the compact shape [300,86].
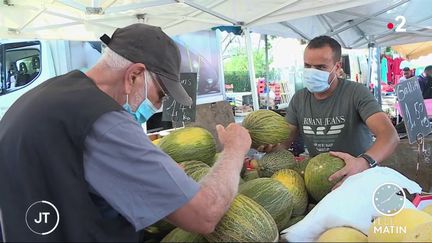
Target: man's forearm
[221,183]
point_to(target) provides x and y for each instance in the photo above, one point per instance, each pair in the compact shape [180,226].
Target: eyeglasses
[163,96]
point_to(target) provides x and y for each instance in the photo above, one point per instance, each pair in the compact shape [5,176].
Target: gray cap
[142,43]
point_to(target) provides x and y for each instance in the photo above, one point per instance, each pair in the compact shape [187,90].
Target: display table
[404,160]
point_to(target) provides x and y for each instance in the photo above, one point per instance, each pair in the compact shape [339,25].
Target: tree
[236,68]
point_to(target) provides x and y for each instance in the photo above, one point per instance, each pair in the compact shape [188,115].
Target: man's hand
[352,166]
[234,137]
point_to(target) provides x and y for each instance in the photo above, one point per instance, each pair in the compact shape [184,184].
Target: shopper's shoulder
[116,121]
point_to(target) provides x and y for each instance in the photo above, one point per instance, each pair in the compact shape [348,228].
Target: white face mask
[316,81]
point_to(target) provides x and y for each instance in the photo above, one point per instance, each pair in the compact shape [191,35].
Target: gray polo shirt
[134,177]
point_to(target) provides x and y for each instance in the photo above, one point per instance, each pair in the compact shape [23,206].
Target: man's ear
[132,73]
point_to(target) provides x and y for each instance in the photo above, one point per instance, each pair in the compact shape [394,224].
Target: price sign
[173,111]
[413,109]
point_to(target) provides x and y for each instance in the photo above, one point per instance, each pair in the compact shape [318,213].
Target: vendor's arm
[386,136]
[385,143]
[380,125]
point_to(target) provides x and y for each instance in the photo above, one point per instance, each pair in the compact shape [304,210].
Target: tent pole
[267,71]
[370,56]
[251,69]
[378,93]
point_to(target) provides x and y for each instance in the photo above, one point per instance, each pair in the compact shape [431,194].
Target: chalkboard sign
[173,111]
[413,109]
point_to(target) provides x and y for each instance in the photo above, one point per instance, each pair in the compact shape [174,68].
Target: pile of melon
[275,192]
[272,195]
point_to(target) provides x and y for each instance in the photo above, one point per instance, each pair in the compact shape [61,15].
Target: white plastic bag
[349,205]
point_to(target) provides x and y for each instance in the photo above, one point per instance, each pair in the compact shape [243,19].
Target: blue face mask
[316,81]
[144,111]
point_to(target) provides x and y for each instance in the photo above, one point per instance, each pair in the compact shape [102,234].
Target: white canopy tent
[355,23]
[365,26]
[89,19]
[356,27]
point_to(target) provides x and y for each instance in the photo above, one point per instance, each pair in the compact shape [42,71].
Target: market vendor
[338,115]
[76,142]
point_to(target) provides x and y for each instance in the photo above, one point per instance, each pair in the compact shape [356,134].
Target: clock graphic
[388,199]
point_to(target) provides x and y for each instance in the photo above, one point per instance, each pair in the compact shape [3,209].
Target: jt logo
[45,214]
[42,217]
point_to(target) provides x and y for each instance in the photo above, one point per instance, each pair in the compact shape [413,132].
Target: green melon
[300,166]
[199,173]
[245,221]
[195,169]
[250,175]
[273,196]
[295,184]
[274,161]
[179,235]
[192,165]
[161,227]
[266,127]
[157,141]
[216,157]
[191,143]
[317,172]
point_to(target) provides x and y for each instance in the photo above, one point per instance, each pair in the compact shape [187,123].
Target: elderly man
[76,142]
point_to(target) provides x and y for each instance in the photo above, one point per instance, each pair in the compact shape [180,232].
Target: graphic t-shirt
[337,123]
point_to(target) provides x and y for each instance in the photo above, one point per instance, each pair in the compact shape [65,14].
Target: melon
[266,127]
[195,169]
[295,184]
[245,221]
[272,196]
[394,228]
[250,175]
[216,157]
[421,233]
[342,234]
[192,165]
[317,172]
[199,173]
[191,143]
[179,235]
[300,166]
[156,141]
[161,227]
[428,209]
[274,161]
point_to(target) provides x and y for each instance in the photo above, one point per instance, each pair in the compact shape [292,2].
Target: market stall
[281,196]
